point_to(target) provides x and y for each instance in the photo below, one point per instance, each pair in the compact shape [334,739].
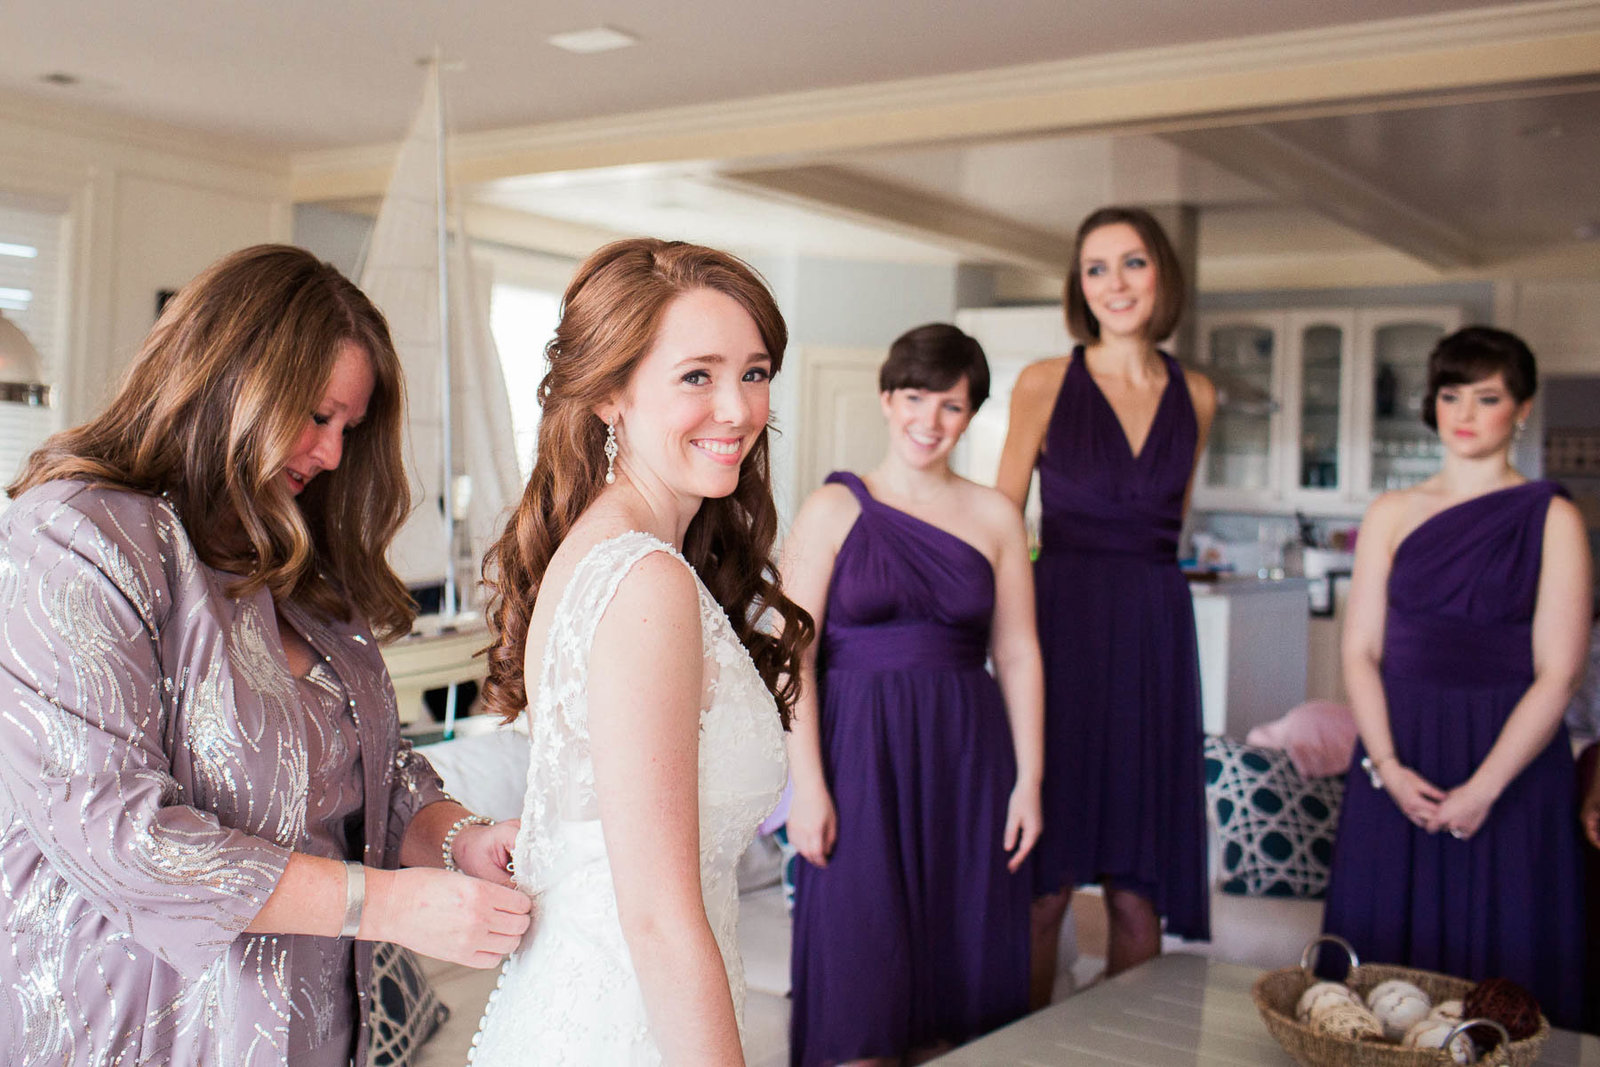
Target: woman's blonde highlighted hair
[609,317]
[211,411]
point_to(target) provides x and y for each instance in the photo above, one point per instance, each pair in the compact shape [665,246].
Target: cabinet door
[841,422]
[1241,353]
[1319,383]
[1396,448]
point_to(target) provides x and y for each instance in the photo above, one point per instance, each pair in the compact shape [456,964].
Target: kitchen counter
[1245,585]
[1254,635]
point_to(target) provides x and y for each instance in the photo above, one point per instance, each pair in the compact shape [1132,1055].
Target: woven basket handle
[1307,957]
[1467,1024]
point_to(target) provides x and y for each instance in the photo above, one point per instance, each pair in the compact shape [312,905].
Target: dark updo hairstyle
[935,357]
[1473,354]
[1171,293]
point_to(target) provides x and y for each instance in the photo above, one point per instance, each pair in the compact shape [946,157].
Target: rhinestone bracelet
[448,849]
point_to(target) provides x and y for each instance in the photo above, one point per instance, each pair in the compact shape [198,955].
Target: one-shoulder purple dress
[1124,785]
[915,932]
[1457,657]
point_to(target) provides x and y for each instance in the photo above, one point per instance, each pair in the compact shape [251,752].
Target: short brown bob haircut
[1171,292]
[212,409]
[1474,354]
[935,357]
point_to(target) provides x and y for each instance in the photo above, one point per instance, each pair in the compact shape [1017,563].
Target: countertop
[1242,585]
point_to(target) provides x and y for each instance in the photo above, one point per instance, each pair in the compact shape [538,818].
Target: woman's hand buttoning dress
[1465,638]
[916,771]
[199,753]
[629,585]
[1115,429]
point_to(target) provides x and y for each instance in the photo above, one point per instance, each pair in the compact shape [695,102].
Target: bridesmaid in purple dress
[1115,429]
[1458,848]
[916,781]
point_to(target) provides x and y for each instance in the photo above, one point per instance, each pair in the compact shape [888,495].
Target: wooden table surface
[1177,1009]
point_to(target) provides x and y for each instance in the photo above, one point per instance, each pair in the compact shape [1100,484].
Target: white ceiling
[690,203]
[1051,183]
[301,74]
[1509,174]
[1411,189]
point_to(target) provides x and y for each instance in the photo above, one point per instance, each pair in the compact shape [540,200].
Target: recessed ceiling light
[588,42]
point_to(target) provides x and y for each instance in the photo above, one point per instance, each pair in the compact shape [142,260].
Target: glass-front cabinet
[1319,409]
[1319,383]
[1400,448]
[1241,354]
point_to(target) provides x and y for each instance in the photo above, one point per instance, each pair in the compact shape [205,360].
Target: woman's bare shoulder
[1042,376]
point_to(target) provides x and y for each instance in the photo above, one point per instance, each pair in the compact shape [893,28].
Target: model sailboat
[460,450]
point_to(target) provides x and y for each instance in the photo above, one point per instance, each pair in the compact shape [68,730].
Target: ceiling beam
[1303,177]
[1170,87]
[952,223]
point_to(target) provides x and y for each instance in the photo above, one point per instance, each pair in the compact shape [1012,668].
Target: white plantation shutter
[30,296]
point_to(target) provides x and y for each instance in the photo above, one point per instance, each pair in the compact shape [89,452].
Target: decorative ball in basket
[1388,1016]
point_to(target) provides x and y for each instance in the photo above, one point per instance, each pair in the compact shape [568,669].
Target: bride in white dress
[629,586]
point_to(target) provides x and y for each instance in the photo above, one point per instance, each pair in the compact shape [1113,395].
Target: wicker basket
[1276,994]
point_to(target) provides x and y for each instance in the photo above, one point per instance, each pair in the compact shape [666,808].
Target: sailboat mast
[448,602]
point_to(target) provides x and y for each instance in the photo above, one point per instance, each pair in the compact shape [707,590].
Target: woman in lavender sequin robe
[196,727]
[1468,620]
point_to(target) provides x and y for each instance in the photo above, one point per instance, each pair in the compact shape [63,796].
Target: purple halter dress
[1124,785]
[915,932]
[1457,657]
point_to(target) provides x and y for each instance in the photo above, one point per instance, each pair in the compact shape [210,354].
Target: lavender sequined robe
[153,781]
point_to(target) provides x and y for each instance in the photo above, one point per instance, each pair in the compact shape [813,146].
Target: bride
[628,587]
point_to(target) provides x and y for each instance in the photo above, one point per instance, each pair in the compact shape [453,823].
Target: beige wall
[147,208]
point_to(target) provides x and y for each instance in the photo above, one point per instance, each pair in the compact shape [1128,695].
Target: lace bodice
[569,992]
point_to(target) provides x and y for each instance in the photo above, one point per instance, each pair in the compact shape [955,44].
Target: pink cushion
[1319,735]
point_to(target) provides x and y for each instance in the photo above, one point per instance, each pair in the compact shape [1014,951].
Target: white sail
[401,275]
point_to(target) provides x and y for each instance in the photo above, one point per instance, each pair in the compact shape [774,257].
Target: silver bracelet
[1371,766]
[448,849]
[355,897]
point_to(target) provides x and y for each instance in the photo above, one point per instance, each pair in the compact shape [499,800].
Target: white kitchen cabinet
[1321,408]
[1243,352]
[1396,448]
[1323,404]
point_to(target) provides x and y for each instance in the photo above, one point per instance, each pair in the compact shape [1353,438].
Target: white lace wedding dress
[569,994]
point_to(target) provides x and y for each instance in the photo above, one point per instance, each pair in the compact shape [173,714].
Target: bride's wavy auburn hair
[211,411]
[610,314]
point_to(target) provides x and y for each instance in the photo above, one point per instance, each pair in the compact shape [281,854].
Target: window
[523,320]
[31,295]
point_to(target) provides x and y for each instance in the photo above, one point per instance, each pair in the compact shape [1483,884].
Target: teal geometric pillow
[791,863]
[1276,827]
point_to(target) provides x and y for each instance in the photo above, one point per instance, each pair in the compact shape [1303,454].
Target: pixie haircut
[935,357]
[1473,354]
[1171,292]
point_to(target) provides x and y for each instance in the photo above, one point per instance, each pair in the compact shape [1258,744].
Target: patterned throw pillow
[791,863]
[405,1009]
[1276,828]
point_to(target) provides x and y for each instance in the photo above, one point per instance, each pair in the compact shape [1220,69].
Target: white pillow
[487,772]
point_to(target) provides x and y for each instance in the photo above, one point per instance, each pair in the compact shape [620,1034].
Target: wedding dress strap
[589,591]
